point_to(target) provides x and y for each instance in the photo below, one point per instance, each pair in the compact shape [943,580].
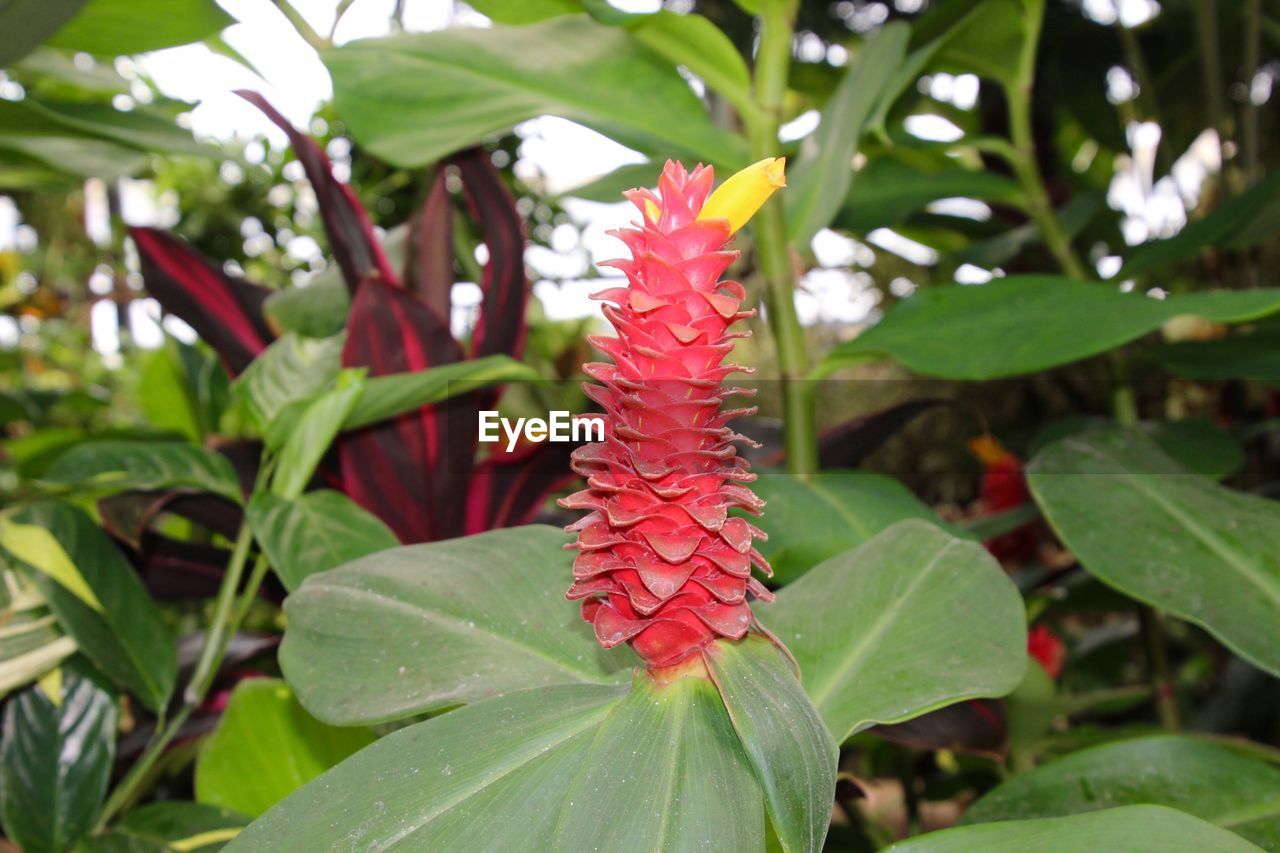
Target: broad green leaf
[1133,829]
[142,128]
[524,11]
[790,748]
[56,753]
[1201,446]
[31,643]
[265,747]
[696,43]
[40,550]
[314,533]
[125,638]
[811,520]
[116,27]
[910,621]
[1206,780]
[392,394]
[27,23]
[313,433]
[572,767]
[163,395]
[39,159]
[665,771]
[292,370]
[125,466]
[1023,324]
[440,624]
[318,310]
[168,827]
[488,776]
[1241,221]
[609,188]
[890,191]
[1255,355]
[1156,531]
[819,181]
[987,41]
[411,99]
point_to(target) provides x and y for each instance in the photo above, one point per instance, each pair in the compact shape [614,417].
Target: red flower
[661,564]
[1047,649]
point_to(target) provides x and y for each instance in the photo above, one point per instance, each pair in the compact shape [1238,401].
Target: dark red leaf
[500,327]
[401,470]
[429,265]
[351,238]
[509,489]
[225,311]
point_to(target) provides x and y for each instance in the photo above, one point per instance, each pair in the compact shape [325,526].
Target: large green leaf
[1209,781]
[1133,829]
[122,466]
[314,533]
[790,748]
[984,38]
[1241,221]
[694,42]
[822,175]
[1255,355]
[265,747]
[291,371]
[56,753]
[811,520]
[115,27]
[1201,446]
[1021,324]
[172,826]
[427,626]
[27,23]
[889,191]
[572,767]
[390,395]
[1154,530]
[98,599]
[412,99]
[910,621]
[141,128]
[311,435]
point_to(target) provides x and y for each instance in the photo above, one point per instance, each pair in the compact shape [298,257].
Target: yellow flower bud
[739,197]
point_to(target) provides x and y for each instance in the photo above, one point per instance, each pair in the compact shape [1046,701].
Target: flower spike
[661,564]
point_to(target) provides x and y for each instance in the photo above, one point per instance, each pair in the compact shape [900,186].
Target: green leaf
[908,622]
[1201,446]
[167,827]
[314,431]
[809,521]
[124,634]
[524,11]
[821,177]
[1241,221]
[791,751]
[116,27]
[125,466]
[1211,782]
[142,128]
[987,41]
[318,310]
[488,776]
[1255,355]
[1022,324]
[572,767]
[440,624]
[266,747]
[292,370]
[696,43]
[1133,829]
[27,23]
[396,393]
[31,643]
[1156,531]
[56,753]
[412,99]
[314,533]
[609,188]
[890,191]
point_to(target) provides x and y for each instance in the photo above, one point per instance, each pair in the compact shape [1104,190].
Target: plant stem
[211,654]
[1206,14]
[773,64]
[304,29]
[1024,162]
[1162,686]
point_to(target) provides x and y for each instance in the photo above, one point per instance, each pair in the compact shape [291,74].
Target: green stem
[1162,685]
[773,65]
[1249,139]
[1206,13]
[1024,163]
[211,654]
[300,25]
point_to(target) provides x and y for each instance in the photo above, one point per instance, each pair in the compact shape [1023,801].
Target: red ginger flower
[661,564]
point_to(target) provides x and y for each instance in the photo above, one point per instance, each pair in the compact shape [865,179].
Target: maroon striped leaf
[429,262]
[225,311]
[509,489]
[351,239]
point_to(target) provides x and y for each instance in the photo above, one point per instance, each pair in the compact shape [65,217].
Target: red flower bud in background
[661,564]
[1047,649]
